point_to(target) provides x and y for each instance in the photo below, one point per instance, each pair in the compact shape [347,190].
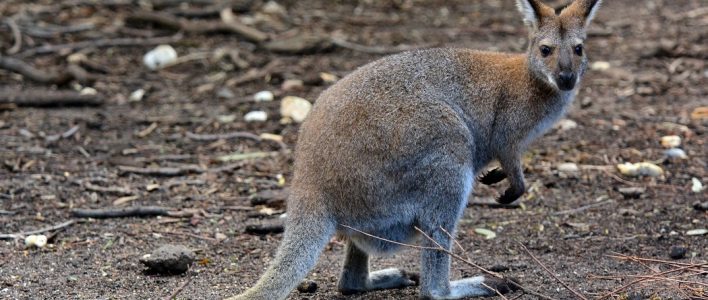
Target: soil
[571,221]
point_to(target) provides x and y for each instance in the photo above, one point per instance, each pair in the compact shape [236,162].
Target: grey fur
[397,144]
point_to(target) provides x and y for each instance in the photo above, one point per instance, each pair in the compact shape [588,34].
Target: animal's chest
[550,115]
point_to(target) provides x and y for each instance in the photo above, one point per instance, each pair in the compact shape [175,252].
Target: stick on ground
[48,98]
[50,228]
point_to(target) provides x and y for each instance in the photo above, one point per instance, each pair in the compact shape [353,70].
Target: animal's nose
[566,80]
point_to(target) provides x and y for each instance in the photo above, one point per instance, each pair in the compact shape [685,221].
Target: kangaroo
[396,145]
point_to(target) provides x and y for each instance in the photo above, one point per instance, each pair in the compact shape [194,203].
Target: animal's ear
[583,9]
[534,11]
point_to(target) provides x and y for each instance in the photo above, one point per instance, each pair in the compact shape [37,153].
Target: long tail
[305,238]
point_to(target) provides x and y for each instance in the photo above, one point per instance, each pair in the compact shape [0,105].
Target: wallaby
[397,144]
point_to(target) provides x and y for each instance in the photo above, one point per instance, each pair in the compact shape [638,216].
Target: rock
[675,153]
[136,95]
[263,96]
[566,124]
[159,57]
[220,236]
[678,252]
[264,229]
[256,116]
[640,169]
[568,168]
[696,185]
[169,260]
[632,192]
[300,44]
[671,141]
[307,286]
[600,66]
[291,85]
[226,118]
[39,241]
[701,231]
[328,77]
[701,206]
[225,93]
[295,108]
[88,91]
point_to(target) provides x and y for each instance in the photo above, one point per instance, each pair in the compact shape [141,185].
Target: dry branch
[50,228]
[31,73]
[102,43]
[164,171]
[137,211]
[48,98]
[197,27]
[16,34]
[224,136]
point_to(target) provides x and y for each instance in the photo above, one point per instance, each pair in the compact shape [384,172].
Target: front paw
[494,176]
[510,195]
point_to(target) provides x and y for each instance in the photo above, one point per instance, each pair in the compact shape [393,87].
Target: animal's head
[556,49]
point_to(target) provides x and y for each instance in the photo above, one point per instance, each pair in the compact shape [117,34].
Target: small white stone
[38,241]
[263,96]
[568,168]
[136,95]
[566,124]
[88,91]
[640,169]
[159,57]
[256,116]
[676,153]
[671,141]
[600,66]
[272,7]
[295,108]
[696,185]
[697,232]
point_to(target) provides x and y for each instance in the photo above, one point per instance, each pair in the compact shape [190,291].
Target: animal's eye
[579,50]
[546,51]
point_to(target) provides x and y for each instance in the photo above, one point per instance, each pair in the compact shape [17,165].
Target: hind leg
[357,279]
[445,201]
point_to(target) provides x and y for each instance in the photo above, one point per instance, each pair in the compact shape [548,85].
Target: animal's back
[379,131]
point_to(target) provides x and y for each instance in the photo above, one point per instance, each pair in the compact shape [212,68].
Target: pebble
[307,286]
[696,185]
[328,77]
[136,95]
[640,169]
[225,93]
[568,168]
[675,153]
[256,116]
[263,96]
[291,85]
[632,192]
[159,57]
[701,206]
[671,141]
[88,91]
[600,66]
[39,241]
[168,260]
[678,252]
[566,124]
[295,108]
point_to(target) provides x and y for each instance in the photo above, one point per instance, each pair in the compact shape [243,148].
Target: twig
[179,289]
[48,98]
[16,34]
[50,228]
[551,273]
[31,73]
[493,204]
[7,212]
[376,50]
[223,136]
[138,211]
[102,43]
[254,74]
[163,171]
[582,208]
[625,286]
[193,27]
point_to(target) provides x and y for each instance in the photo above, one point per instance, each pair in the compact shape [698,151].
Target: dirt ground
[56,159]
